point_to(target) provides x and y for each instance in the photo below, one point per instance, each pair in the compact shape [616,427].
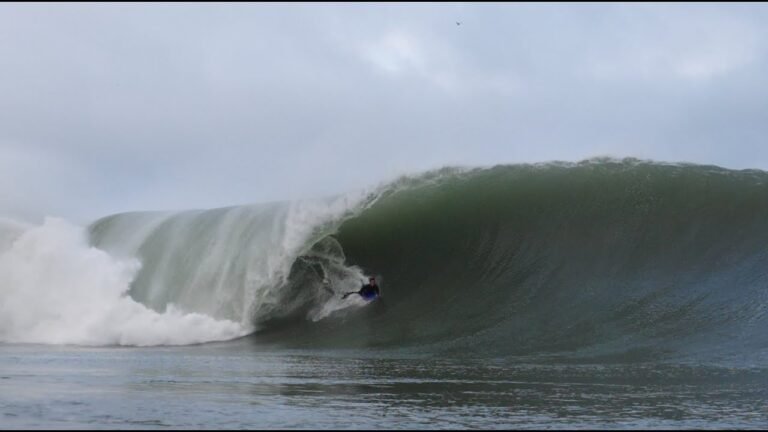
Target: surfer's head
[372,280]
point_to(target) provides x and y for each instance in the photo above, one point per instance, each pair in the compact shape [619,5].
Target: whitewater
[207,279]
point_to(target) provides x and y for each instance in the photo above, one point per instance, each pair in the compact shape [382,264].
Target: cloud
[30,176]
[118,107]
[396,52]
[675,43]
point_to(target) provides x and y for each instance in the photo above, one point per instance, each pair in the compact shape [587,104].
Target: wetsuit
[369,292]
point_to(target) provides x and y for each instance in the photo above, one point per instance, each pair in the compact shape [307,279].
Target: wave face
[598,258]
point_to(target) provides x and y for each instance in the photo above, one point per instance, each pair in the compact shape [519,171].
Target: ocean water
[599,294]
[238,385]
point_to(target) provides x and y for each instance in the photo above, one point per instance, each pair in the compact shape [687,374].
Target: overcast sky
[117,107]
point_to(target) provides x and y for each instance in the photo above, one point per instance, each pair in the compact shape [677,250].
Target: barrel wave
[609,259]
[602,259]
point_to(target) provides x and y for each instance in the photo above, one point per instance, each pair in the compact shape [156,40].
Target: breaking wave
[598,257]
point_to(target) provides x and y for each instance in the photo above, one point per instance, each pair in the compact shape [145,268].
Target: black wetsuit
[369,291]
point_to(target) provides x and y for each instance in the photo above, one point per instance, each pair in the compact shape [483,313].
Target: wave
[597,257]
[601,256]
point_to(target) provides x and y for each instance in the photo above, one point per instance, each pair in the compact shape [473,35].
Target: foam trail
[56,289]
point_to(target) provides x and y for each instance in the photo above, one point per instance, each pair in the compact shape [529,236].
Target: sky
[113,107]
